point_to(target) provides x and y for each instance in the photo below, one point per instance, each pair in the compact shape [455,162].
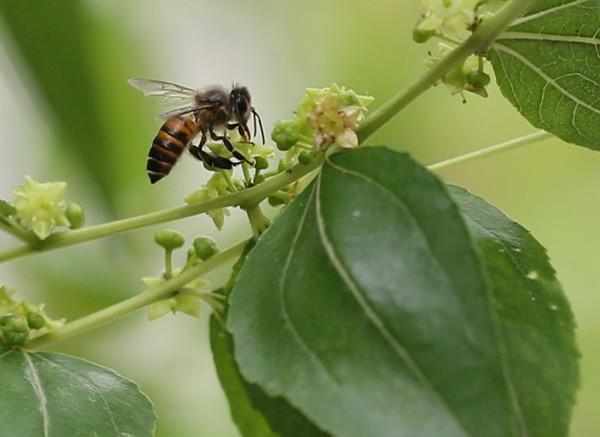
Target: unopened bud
[261,163]
[168,239]
[205,247]
[305,158]
[75,215]
[286,134]
[36,320]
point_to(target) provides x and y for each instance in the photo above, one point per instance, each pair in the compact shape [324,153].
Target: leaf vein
[6,353]
[539,36]
[361,298]
[93,387]
[548,79]
[36,384]
[282,294]
[545,12]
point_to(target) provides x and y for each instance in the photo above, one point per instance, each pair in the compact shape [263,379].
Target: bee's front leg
[229,145]
[244,132]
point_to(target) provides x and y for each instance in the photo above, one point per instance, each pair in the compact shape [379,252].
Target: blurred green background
[68,114]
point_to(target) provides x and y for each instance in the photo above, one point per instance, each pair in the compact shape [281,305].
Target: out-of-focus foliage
[278,49]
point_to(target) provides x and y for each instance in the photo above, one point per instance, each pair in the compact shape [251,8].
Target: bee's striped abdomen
[172,139]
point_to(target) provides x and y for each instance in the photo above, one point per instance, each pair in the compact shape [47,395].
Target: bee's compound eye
[242,105]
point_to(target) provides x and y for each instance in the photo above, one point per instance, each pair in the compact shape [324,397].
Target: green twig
[250,196]
[17,231]
[146,297]
[478,42]
[493,150]
[258,221]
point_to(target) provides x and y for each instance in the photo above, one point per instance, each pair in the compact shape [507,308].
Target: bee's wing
[160,88]
[183,110]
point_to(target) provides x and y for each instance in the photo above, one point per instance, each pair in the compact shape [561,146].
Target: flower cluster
[19,320]
[218,185]
[446,18]
[469,76]
[189,299]
[42,208]
[325,117]
[452,20]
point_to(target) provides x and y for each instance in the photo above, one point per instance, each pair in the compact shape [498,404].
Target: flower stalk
[145,298]
[477,43]
[252,195]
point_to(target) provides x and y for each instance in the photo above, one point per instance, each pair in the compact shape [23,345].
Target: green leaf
[377,317]
[254,413]
[6,209]
[51,395]
[250,422]
[547,65]
[535,317]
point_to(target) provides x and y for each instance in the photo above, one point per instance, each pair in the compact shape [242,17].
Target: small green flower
[41,207]
[218,185]
[470,76]
[19,319]
[181,301]
[451,18]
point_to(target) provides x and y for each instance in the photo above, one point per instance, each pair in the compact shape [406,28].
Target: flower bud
[35,320]
[14,338]
[261,163]
[478,79]
[276,201]
[305,158]
[286,134]
[169,239]
[75,215]
[205,248]
[14,323]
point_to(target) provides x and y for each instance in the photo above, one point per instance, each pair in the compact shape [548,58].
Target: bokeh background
[67,113]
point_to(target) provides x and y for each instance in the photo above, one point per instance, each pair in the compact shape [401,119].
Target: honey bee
[211,111]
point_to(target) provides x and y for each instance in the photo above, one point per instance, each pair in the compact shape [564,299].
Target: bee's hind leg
[211,160]
[229,145]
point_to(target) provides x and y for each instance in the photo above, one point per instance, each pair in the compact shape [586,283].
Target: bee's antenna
[256,116]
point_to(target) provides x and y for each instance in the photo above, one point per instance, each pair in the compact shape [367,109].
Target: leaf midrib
[361,297]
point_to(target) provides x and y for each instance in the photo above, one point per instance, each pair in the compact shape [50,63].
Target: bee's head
[241,105]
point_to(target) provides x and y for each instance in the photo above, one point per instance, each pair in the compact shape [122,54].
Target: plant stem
[478,42]
[258,221]
[168,264]
[17,232]
[493,150]
[141,300]
[247,197]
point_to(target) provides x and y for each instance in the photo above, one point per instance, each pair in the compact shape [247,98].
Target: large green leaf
[54,395]
[250,422]
[254,413]
[547,65]
[536,321]
[366,306]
